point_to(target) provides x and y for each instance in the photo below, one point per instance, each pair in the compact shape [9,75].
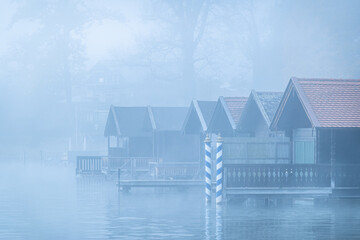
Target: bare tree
[187,20]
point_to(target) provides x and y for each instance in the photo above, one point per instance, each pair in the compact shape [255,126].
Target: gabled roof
[207,109]
[125,121]
[328,103]
[135,121]
[232,107]
[168,118]
[203,110]
[266,102]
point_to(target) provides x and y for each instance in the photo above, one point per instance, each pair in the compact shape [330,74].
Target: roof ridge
[260,105]
[327,79]
[227,112]
[269,92]
[242,98]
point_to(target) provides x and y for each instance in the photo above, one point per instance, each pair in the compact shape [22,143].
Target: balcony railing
[89,164]
[291,175]
[277,175]
[130,163]
[347,176]
[177,170]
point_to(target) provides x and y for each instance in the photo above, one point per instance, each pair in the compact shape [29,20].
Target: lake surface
[39,202]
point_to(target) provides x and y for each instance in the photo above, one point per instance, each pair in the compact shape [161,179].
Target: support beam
[332,157]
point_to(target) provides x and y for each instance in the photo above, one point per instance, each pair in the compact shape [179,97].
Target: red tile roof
[333,102]
[235,106]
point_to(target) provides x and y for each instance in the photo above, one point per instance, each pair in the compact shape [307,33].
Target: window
[304,152]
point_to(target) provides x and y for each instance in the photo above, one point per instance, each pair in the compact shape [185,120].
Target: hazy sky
[47,47]
[243,40]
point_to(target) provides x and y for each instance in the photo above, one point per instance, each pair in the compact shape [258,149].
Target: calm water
[51,203]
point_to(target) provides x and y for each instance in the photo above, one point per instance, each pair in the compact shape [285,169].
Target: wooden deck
[291,191]
[300,180]
[161,183]
[238,179]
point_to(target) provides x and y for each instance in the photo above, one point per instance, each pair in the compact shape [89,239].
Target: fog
[63,63]
[175,51]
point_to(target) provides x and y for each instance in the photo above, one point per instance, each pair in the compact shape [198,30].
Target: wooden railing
[347,176]
[277,175]
[89,164]
[129,163]
[291,175]
[176,170]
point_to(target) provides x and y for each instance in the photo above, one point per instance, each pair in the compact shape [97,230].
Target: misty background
[63,63]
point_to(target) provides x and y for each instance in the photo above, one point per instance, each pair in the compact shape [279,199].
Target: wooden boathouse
[147,142]
[175,154]
[226,115]
[303,142]
[321,119]
[197,122]
[254,142]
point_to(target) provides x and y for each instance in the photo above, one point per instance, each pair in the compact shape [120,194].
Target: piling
[118,181]
[219,169]
[207,169]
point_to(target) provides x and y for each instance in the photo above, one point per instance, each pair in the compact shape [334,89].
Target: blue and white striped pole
[207,169]
[219,174]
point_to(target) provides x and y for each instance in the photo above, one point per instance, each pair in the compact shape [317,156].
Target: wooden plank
[161,183]
[279,191]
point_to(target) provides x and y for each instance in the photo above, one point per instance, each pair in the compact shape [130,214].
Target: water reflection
[218,222]
[207,220]
[53,204]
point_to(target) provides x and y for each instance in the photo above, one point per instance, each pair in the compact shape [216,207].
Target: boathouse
[197,121]
[125,132]
[198,117]
[258,113]
[254,142]
[149,139]
[170,144]
[226,115]
[322,119]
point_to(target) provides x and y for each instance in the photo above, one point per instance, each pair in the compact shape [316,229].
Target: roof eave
[151,116]
[261,107]
[279,110]
[200,115]
[115,120]
[305,103]
[227,112]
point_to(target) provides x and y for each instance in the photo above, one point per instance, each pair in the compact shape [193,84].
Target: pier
[270,144]
[160,183]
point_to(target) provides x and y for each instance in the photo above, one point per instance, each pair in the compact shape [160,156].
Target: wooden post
[153,145]
[317,147]
[132,166]
[225,183]
[332,158]
[276,152]
[118,179]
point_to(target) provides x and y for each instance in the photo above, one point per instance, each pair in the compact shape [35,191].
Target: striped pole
[207,169]
[219,163]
